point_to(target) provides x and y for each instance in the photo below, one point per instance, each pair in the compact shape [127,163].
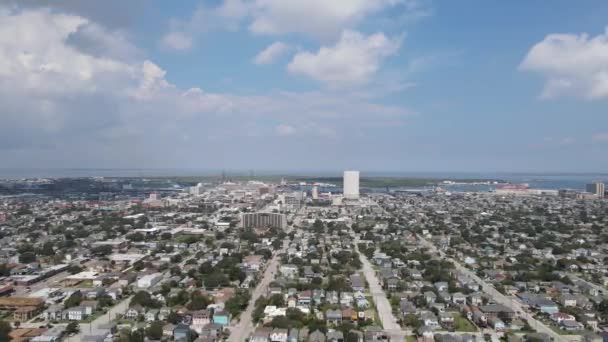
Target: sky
[378,85]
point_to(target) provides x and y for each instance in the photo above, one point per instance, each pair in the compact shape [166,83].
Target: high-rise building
[351,184]
[263,220]
[315,192]
[596,188]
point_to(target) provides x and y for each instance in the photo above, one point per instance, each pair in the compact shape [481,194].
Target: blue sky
[378,85]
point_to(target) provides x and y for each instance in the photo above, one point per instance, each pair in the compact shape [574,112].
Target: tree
[71,328]
[155,330]
[412,320]
[47,249]
[173,318]
[5,329]
[74,269]
[27,257]
[144,299]
[74,300]
[198,301]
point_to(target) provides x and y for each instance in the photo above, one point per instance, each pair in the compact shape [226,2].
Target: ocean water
[574,181]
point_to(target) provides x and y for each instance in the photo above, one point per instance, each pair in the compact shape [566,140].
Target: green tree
[155,330]
[27,257]
[5,329]
[74,300]
[71,328]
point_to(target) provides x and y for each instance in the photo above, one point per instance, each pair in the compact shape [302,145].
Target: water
[553,181]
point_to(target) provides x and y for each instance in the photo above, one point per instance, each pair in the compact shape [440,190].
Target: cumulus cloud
[600,137]
[285,130]
[176,41]
[320,19]
[271,53]
[352,60]
[575,65]
[67,104]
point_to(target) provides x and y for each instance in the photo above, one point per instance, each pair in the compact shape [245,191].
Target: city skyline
[387,85]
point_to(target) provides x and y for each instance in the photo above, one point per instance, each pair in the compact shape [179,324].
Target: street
[243,329]
[385,312]
[93,328]
[502,299]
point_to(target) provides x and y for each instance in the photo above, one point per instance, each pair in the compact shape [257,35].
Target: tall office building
[596,188]
[315,192]
[351,184]
[263,220]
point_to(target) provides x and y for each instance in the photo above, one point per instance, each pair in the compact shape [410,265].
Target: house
[278,335]
[168,329]
[201,318]
[253,262]
[357,283]
[181,332]
[77,313]
[441,286]
[497,311]
[568,300]
[497,324]
[446,319]
[335,336]
[406,308]
[289,271]
[459,299]
[376,334]
[294,335]
[211,332]
[316,336]
[559,317]
[261,334]
[53,312]
[392,284]
[133,312]
[305,298]
[571,325]
[429,320]
[151,315]
[221,317]
[430,297]
[346,298]
[349,315]
[333,317]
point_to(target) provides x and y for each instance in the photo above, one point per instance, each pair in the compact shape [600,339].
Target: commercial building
[351,184]
[596,188]
[263,220]
[149,280]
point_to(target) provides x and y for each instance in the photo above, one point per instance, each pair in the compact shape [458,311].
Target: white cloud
[285,130]
[118,110]
[575,65]
[176,41]
[271,53]
[320,18]
[353,60]
[600,137]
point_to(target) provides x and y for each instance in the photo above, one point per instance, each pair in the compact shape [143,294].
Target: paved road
[93,328]
[502,299]
[385,312]
[243,329]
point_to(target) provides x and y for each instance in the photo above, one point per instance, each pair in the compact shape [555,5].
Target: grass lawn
[410,339]
[463,324]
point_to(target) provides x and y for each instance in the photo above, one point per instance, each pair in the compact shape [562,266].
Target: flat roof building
[263,220]
[351,184]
